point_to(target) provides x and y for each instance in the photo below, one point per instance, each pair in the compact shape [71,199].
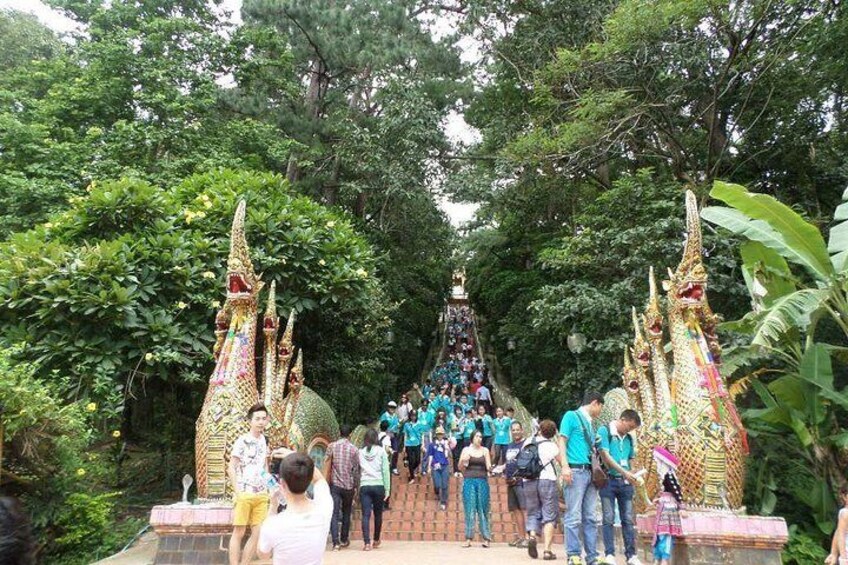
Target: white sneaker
[634,561]
[608,560]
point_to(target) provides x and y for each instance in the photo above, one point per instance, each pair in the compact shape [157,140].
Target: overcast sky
[455,126]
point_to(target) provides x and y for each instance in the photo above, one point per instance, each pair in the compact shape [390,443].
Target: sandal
[532,551]
[548,556]
[515,542]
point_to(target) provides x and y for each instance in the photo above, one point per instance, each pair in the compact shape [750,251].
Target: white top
[548,451]
[299,537]
[403,411]
[252,453]
[484,394]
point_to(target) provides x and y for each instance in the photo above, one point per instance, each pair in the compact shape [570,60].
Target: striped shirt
[345,465]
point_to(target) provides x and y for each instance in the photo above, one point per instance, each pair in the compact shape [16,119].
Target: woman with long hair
[475,464]
[412,432]
[374,486]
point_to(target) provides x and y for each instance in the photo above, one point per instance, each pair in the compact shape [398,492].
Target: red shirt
[345,465]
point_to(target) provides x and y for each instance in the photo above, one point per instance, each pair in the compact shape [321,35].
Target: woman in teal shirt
[412,431]
[488,427]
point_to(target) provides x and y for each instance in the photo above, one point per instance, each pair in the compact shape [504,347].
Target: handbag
[600,478]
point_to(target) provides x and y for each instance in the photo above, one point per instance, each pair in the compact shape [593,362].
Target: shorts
[250,509]
[515,497]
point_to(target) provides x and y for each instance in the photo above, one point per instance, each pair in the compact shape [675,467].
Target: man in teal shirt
[618,448]
[576,441]
[502,426]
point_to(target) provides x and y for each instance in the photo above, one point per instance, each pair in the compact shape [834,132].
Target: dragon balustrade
[684,405]
[299,418]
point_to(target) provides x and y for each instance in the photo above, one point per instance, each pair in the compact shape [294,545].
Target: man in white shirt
[298,535]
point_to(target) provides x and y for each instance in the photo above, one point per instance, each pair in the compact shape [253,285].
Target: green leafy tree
[799,322]
[119,292]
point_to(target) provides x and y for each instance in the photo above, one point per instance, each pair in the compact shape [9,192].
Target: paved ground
[392,552]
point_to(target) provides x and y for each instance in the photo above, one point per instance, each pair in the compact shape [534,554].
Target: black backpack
[528,464]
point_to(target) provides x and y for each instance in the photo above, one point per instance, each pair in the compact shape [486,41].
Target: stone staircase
[415,514]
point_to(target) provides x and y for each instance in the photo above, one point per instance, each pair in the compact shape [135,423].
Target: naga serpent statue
[686,409]
[233,385]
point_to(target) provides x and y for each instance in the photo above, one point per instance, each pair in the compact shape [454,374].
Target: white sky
[455,127]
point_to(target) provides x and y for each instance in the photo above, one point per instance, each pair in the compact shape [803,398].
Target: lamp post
[576,342]
[390,337]
[510,344]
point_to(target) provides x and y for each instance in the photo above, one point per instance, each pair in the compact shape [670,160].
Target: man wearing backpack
[617,448]
[576,443]
[535,462]
[516,504]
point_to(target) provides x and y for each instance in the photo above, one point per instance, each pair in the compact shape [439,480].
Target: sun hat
[392,404]
[663,455]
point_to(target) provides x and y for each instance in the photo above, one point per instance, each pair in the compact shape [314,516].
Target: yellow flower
[207,204]
[204,197]
[208,275]
[322,262]
[48,225]
[116,434]
[362,273]
[91,407]
[201,214]
[148,357]
[80,472]
[22,412]
[216,304]
[331,224]
[182,305]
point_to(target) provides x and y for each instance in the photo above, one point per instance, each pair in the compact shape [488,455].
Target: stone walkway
[392,552]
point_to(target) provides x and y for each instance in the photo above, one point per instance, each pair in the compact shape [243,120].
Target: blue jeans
[618,489]
[342,505]
[371,498]
[475,502]
[581,502]
[441,483]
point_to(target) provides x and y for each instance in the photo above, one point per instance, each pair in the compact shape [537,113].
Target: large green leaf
[816,369]
[802,242]
[837,243]
[791,312]
[769,269]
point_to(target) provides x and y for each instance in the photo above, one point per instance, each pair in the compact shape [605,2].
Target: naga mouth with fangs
[655,328]
[692,292]
[237,285]
[269,323]
[644,358]
[633,385]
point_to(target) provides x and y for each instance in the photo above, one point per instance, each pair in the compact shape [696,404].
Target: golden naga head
[284,349]
[296,375]
[242,282]
[270,321]
[631,381]
[641,348]
[222,321]
[687,286]
[653,318]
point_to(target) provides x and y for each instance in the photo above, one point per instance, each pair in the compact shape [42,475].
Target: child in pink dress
[669,503]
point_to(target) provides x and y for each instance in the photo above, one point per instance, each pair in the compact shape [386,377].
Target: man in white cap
[390,416]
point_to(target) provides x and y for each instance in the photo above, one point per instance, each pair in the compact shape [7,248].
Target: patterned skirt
[668,516]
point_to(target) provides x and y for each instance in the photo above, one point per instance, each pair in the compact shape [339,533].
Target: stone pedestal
[719,538]
[198,533]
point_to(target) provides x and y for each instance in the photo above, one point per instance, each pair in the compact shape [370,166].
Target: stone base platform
[713,538]
[192,533]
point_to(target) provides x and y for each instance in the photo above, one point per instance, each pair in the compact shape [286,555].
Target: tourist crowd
[455,427]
